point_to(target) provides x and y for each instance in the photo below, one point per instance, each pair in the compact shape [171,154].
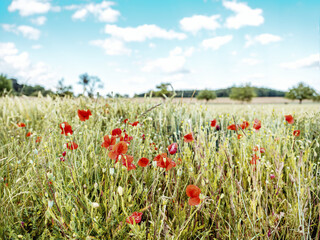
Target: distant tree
[5,83]
[163,90]
[242,93]
[90,83]
[207,95]
[301,92]
[63,90]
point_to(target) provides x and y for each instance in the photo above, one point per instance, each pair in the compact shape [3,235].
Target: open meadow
[137,170]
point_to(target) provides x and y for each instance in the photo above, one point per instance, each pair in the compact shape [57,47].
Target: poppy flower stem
[150,109]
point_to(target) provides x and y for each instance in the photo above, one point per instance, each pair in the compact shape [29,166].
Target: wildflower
[134,124]
[127,162]
[239,136]
[272,176]
[254,159]
[218,128]
[143,162]
[64,153]
[62,159]
[126,138]
[66,128]
[117,150]
[134,218]
[108,142]
[116,132]
[173,148]
[126,120]
[21,124]
[193,192]
[213,123]
[120,190]
[188,138]
[72,145]
[28,134]
[255,148]
[289,119]
[262,150]
[143,137]
[296,133]
[164,162]
[232,127]
[38,140]
[84,115]
[257,124]
[244,124]
[95,205]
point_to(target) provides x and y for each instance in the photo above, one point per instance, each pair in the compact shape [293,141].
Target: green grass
[241,201]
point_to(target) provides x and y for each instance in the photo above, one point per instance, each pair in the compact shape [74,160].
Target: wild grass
[42,197]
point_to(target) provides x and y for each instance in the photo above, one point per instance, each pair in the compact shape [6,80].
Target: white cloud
[173,64]
[263,39]
[250,61]
[31,7]
[142,33]
[26,31]
[101,11]
[152,45]
[244,15]
[19,65]
[39,20]
[38,46]
[197,22]
[312,61]
[112,46]
[216,42]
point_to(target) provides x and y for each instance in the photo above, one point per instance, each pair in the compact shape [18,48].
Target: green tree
[207,95]
[63,90]
[301,92]
[243,93]
[89,83]
[5,83]
[163,90]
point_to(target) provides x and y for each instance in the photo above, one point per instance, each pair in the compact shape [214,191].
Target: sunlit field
[236,171]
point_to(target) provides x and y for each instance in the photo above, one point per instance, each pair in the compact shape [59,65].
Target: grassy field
[255,184]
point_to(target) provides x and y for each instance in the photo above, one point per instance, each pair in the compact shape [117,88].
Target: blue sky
[133,45]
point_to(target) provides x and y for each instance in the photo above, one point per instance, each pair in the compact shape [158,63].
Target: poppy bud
[173,148]
[64,153]
[62,159]
[218,128]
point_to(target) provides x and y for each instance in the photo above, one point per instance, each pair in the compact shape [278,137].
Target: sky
[133,45]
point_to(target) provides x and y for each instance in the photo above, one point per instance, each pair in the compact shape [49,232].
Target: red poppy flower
[289,119]
[164,162]
[254,159]
[262,150]
[143,137]
[84,115]
[255,148]
[126,138]
[173,148]
[244,125]
[127,162]
[232,127]
[126,120]
[64,153]
[72,145]
[257,124]
[188,138]
[134,218]
[143,162]
[108,142]
[134,124]
[117,150]
[21,124]
[239,136]
[116,132]
[38,139]
[66,128]
[28,134]
[296,133]
[193,193]
[213,123]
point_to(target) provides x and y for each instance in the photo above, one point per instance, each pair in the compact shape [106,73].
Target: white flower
[50,203]
[96,185]
[111,171]
[120,190]
[95,205]
[35,151]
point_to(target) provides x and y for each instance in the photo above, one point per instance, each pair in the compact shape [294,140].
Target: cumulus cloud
[244,15]
[216,42]
[263,39]
[25,31]
[250,61]
[142,33]
[312,61]
[39,20]
[173,64]
[112,46]
[31,7]
[18,64]
[103,11]
[197,22]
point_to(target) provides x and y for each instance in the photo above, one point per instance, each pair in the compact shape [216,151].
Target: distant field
[250,174]
[256,100]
